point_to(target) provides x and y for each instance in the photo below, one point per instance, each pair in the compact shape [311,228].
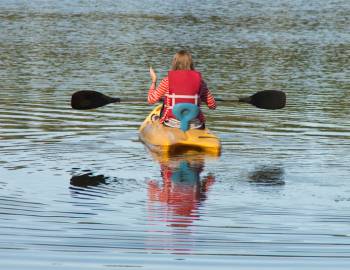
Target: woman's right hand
[153,75]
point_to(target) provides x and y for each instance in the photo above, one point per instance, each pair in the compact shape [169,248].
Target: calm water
[79,191]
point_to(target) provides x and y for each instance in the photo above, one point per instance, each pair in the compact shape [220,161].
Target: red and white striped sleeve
[207,97]
[156,94]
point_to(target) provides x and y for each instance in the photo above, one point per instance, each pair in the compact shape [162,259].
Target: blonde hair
[182,60]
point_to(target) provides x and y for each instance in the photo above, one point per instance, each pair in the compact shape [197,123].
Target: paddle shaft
[135,100]
[131,100]
[236,99]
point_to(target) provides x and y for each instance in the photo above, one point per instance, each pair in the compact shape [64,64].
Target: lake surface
[79,191]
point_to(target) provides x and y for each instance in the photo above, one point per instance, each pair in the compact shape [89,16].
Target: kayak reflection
[182,190]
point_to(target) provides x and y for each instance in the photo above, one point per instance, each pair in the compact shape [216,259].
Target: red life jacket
[184,87]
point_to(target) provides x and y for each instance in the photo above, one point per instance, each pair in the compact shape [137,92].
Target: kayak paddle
[266,99]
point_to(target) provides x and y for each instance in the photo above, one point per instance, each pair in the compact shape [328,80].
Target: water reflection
[181,192]
[50,49]
[90,185]
[267,175]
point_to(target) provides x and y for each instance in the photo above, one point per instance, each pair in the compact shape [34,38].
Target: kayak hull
[163,139]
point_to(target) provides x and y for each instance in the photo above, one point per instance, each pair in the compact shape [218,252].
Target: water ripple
[76,183]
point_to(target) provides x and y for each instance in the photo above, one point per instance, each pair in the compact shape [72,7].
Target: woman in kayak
[182,85]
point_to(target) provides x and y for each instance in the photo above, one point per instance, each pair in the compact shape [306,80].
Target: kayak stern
[160,138]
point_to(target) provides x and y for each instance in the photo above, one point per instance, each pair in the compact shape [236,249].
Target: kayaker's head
[182,60]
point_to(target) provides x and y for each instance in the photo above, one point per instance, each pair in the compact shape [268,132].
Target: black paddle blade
[85,100]
[267,99]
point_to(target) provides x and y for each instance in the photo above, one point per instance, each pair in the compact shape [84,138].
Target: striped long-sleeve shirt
[156,94]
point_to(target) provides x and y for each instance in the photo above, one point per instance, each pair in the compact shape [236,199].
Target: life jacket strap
[173,97]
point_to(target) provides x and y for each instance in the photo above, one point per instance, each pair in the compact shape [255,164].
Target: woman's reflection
[181,191]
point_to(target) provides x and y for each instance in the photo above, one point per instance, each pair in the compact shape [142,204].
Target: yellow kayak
[163,139]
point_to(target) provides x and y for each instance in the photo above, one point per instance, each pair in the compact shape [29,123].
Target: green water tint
[281,191]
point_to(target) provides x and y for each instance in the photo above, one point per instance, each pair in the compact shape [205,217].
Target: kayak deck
[160,138]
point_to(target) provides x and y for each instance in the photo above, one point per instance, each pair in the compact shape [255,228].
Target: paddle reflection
[87,180]
[267,175]
[181,192]
[84,185]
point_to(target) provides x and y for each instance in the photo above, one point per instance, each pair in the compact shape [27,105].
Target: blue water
[78,190]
